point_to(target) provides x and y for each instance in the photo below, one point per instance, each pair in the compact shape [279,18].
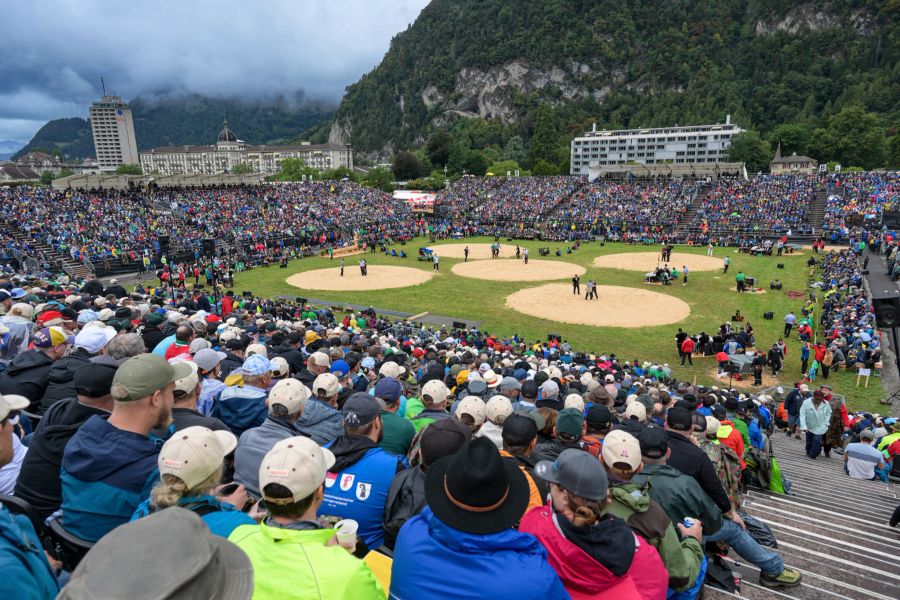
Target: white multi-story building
[228,152]
[113,130]
[661,145]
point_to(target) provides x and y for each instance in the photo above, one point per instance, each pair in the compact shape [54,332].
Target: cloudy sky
[54,52]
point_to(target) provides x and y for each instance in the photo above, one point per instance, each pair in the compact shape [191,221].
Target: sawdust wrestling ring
[647,261]
[517,270]
[380,277]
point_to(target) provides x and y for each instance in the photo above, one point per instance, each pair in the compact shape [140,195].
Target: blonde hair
[171,489]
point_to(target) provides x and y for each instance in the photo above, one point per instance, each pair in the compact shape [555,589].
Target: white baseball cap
[391,369]
[189,383]
[574,401]
[491,379]
[297,463]
[473,406]
[280,367]
[436,390]
[637,411]
[497,409]
[326,385]
[195,453]
[94,339]
[11,402]
[321,359]
[257,349]
[621,447]
[289,393]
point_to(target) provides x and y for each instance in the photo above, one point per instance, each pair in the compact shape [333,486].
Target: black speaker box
[459,325]
[163,244]
[887,307]
[301,300]
[209,246]
[248,294]
[768,316]
[780,265]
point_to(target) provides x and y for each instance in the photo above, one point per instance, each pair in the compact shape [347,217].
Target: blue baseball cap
[520,374]
[340,368]
[388,389]
[256,365]
[367,363]
[17,293]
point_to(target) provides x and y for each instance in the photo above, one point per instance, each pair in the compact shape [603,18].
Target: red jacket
[687,346]
[584,577]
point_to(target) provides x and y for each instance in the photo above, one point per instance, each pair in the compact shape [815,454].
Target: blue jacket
[26,572]
[106,472]
[359,492]
[434,560]
[221,518]
[253,446]
[756,437]
[320,422]
[241,408]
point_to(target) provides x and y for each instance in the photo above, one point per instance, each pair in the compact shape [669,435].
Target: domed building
[229,151]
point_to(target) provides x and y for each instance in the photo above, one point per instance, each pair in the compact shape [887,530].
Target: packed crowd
[152,423]
[774,203]
[865,194]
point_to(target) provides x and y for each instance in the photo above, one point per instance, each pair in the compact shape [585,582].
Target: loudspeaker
[209,247]
[301,300]
[248,294]
[553,336]
[887,307]
[163,244]
[768,316]
[891,219]
[459,325]
[780,265]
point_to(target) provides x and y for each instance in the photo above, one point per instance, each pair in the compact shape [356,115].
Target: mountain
[8,148]
[190,119]
[624,63]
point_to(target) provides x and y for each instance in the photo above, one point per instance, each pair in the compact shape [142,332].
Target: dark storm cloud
[52,60]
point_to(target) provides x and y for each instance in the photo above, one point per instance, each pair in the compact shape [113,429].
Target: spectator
[567,434]
[209,365]
[292,555]
[89,342]
[597,424]
[109,465]
[406,496]
[471,412]
[592,551]
[39,480]
[174,547]
[519,441]
[317,364]
[26,572]
[398,431]
[358,483]
[434,398]
[465,534]
[321,420]
[243,406]
[862,460]
[190,469]
[28,374]
[184,413]
[287,400]
[815,415]
[495,411]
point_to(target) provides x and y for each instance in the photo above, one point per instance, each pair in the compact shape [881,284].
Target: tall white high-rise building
[113,130]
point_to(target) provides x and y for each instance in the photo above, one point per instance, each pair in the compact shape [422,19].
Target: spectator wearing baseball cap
[398,431]
[19,321]
[568,432]
[109,465]
[510,387]
[594,552]
[209,367]
[406,496]
[361,476]
[470,412]
[28,374]
[597,423]
[287,400]
[465,536]
[495,412]
[321,420]
[317,364]
[292,555]
[519,435]
[172,546]
[434,396]
[527,396]
[621,457]
[243,406]
[184,412]
[39,482]
[87,343]
[550,396]
[26,572]
[190,469]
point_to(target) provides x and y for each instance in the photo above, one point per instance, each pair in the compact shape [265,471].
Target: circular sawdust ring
[645,262]
[517,270]
[476,251]
[380,277]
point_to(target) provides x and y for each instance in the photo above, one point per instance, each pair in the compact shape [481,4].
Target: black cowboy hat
[475,490]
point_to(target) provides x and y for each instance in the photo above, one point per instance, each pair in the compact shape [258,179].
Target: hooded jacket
[39,481]
[152,335]
[680,496]
[241,408]
[729,435]
[493,432]
[106,473]
[434,560]
[357,485]
[252,447]
[646,518]
[607,561]
[61,377]
[26,572]
[229,363]
[406,499]
[320,422]
[552,449]
[27,375]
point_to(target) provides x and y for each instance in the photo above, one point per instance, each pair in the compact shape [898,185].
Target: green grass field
[710,295]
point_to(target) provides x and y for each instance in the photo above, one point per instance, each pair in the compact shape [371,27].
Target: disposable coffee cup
[346,532]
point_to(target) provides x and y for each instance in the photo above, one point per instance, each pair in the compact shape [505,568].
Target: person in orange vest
[728,434]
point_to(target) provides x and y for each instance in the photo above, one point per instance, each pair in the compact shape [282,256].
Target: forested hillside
[630,63]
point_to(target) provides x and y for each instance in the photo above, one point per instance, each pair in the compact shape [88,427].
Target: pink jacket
[584,577]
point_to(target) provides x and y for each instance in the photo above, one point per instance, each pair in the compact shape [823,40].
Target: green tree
[241,169]
[380,178]
[295,169]
[793,137]
[129,169]
[438,147]
[852,137]
[407,166]
[752,150]
[542,167]
[894,148]
[46,178]
[514,150]
[65,173]
[544,139]
[339,173]
[456,157]
[500,168]
[475,163]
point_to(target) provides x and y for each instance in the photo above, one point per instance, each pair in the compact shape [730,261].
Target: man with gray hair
[862,460]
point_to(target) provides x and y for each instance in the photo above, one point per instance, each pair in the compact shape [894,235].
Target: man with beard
[109,465]
[356,487]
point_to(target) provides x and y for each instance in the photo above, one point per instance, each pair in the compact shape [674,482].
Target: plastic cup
[346,532]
